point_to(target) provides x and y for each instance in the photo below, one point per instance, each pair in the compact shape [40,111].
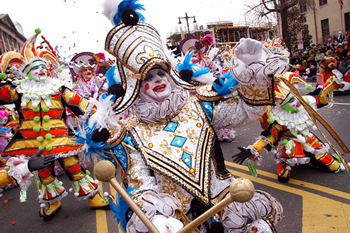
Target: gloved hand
[249,50]
[100,135]
[117,90]
[241,156]
[186,74]
[36,162]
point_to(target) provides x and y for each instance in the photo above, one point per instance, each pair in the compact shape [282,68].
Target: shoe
[98,202]
[51,211]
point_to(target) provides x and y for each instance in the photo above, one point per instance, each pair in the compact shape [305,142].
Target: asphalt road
[313,200]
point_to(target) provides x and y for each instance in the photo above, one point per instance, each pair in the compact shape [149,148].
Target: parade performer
[287,134]
[40,101]
[166,148]
[84,66]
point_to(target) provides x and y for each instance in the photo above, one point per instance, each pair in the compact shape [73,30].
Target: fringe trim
[91,194]
[53,200]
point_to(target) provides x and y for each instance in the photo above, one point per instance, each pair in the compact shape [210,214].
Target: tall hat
[198,43]
[282,91]
[29,57]
[137,47]
[83,60]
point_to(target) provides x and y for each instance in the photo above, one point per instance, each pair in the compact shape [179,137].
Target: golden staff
[241,190]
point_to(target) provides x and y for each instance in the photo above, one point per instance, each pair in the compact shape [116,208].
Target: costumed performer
[172,165]
[40,101]
[287,134]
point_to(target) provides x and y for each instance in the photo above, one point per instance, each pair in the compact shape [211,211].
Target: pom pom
[285,141]
[309,135]
[208,40]
[53,194]
[60,182]
[314,127]
[288,152]
[130,17]
[97,182]
[105,194]
[270,120]
[308,87]
[37,30]
[274,151]
[42,205]
[301,139]
[70,190]
[59,70]
[23,104]
[3,76]
[76,194]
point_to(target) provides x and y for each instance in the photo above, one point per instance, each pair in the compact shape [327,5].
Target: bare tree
[266,8]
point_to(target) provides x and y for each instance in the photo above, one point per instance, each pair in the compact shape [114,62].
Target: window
[323,2]
[302,6]
[325,27]
[347,21]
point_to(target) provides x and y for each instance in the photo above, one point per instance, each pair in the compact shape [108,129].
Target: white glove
[163,224]
[250,50]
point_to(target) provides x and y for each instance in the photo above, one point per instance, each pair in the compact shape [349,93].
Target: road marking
[342,103]
[295,182]
[320,214]
[101,219]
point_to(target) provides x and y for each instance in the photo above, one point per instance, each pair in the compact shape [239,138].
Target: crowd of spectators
[306,62]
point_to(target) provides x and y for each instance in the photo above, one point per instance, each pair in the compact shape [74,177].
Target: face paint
[38,73]
[156,85]
[87,73]
[291,104]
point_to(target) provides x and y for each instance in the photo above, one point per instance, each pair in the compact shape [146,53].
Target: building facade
[327,18]
[10,38]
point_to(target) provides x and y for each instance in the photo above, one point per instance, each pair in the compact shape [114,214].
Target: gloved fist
[186,75]
[250,50]
[241,156]
[37,163]
[100,135]
[116,89]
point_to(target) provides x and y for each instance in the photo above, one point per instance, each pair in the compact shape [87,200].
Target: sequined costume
[167,148]
[41,104]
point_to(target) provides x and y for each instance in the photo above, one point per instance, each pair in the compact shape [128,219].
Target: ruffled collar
[37,91]
[298,121]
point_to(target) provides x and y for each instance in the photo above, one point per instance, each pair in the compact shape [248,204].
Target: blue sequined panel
[208,108]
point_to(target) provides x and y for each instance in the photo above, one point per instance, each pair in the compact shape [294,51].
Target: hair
[80,71]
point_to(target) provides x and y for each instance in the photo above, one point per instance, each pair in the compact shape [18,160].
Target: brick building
[11,38]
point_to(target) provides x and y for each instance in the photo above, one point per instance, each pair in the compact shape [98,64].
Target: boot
[283,171]
[50,211]
[98,202]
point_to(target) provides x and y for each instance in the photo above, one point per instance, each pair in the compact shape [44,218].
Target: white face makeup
[87,73]
[38,73]
[156,85]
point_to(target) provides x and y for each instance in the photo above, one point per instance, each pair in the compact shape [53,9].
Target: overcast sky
[79,25]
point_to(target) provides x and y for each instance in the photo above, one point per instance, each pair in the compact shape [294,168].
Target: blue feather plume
[84,136]
[128,5]
[119,209]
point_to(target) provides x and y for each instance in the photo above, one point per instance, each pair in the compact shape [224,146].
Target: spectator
[340,36]
[311,74]
[311,59]
[319,56]
[329,43]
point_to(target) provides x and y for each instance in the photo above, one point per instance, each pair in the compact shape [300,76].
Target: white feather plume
[104,115]
[110,8]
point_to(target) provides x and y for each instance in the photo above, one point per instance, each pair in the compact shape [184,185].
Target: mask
[156,85]
[38,73]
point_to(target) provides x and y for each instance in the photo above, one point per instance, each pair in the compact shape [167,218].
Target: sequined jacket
[43,126]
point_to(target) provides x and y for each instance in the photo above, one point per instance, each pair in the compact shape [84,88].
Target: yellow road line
[101,219]
[320,214]
[293,181]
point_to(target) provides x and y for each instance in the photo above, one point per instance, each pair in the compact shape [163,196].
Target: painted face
[293,105]
[195,57]
[156,85]
[87,73]
[38,73]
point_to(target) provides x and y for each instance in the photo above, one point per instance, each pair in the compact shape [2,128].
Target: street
[313,200]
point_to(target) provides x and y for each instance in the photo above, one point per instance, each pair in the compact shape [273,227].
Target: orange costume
[41,102]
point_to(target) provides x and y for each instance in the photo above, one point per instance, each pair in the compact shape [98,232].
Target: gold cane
[241,190]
